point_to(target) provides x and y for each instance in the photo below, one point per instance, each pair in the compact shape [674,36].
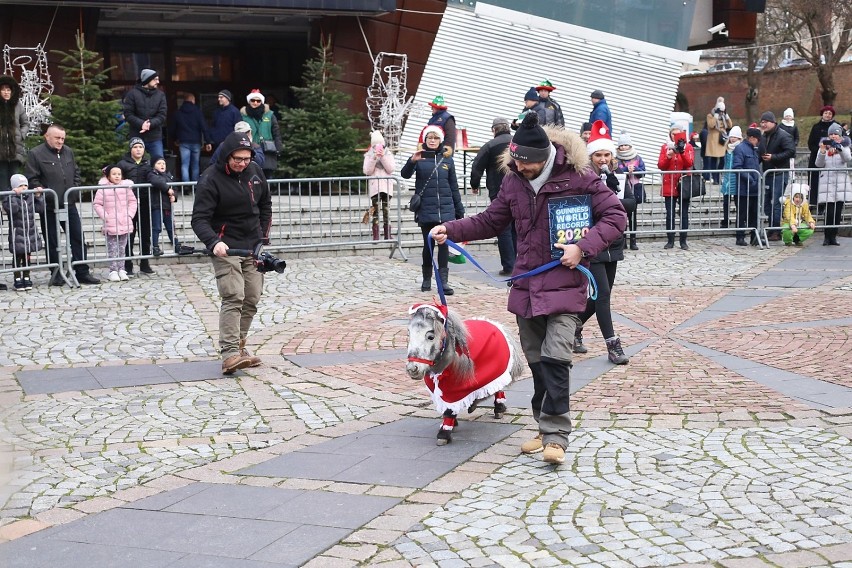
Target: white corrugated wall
[484,65]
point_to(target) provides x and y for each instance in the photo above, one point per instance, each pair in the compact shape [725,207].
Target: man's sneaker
[122,275]
[234,363]
[28,284]
[113,276]
[19,285]
[553,453]
[533,446]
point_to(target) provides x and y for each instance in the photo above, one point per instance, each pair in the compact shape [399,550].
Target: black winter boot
[145,267]
[427,279]
[445,276]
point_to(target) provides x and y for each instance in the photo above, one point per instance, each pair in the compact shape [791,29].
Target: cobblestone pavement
[677,459]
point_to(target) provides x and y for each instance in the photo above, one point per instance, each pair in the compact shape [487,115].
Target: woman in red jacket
[676,155]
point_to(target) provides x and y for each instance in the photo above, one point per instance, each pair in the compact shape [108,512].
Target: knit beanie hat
[376,138]
[431,129]
[788,113]
[155,159]
[530,143]
[586,127]
[545,85]
[227,94]
[146,75]
[721,107]
[768,116]
[835,129]
[624,139]
[255,94]
[18,180]
[134,141]
[438,103]
[597,94]
[532,95]
[753,132]
[736,132]
[242,126]
[600,139]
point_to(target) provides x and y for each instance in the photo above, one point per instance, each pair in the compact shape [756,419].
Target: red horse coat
[493,359]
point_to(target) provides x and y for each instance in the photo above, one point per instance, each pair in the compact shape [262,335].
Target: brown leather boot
[255,361]
[235,362]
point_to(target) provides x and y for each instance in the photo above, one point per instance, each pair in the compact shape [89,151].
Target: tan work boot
[533,446]
[553,453]
[255,361]
[234,363]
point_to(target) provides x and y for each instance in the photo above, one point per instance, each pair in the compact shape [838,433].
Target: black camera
[829,143]
[680,146]
[265,262]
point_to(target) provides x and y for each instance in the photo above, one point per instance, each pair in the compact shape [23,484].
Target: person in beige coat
[718,125]
[379,164]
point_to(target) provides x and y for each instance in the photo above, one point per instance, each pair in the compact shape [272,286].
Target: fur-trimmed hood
[574,149]
[16,89]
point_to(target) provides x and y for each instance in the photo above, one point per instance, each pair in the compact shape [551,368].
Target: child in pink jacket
[379,163]
[116,206]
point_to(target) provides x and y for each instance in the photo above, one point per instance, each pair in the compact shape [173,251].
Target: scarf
[545,171]
[732,145]
[790,122]
[256,113]
[628,154]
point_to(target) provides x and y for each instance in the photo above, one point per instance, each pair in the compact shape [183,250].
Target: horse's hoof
[499,410]
[441,442]
[444,437]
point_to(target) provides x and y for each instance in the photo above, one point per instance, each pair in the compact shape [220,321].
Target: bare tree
[818,31]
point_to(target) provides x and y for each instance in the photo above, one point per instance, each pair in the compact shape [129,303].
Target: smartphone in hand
[427,154]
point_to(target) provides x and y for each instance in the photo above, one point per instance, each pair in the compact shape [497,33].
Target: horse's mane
[462,364]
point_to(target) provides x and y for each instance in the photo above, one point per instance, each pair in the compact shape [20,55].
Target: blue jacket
[745,158]
[601,112]
[224,119]
[729,179]
[188,125]
[436,183]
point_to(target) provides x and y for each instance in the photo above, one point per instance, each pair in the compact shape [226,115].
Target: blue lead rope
[593,286]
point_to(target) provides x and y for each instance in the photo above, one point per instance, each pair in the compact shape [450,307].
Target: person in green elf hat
[442,118]
[552,110]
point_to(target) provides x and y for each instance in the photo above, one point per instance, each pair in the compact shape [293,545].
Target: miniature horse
[461,362]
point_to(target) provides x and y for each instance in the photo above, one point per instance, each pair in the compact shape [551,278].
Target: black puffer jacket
[137,172]
[23,230]
[232,207]
[142,104]
[488,161]
[55,170]
[615,251]
[779,143]
[438,188]
[160,189]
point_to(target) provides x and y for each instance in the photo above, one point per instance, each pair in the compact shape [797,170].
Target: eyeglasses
[433,137]
[240,160]
[255,101]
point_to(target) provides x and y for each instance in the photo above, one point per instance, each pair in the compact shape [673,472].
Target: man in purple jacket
[546,170]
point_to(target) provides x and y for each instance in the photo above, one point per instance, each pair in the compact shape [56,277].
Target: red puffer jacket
[675,163]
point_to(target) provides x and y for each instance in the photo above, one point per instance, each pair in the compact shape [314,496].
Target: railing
[326,214]
[20,256]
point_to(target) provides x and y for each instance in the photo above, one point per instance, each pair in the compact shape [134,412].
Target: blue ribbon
[593,286]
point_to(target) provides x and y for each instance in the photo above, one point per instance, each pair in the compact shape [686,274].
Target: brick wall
[797,88]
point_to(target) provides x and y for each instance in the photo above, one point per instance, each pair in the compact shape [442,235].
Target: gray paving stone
[204,561]
[32,552]
[329,509]
[237,501]
[306,465]
[177,532]
[300,545]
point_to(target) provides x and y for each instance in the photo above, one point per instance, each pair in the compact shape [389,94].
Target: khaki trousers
[240,285]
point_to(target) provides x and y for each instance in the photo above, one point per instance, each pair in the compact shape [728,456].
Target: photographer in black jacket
[233,209]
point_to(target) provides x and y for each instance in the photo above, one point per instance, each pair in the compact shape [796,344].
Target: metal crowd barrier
[11,256]
[326,213]
[314,213]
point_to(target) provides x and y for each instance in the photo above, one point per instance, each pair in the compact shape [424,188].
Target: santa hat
[600,138]
[255,94]
[438,103]
[431,129]
[376,138]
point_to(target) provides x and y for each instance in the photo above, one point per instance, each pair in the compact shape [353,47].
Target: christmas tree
[319,139]
[88,111]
